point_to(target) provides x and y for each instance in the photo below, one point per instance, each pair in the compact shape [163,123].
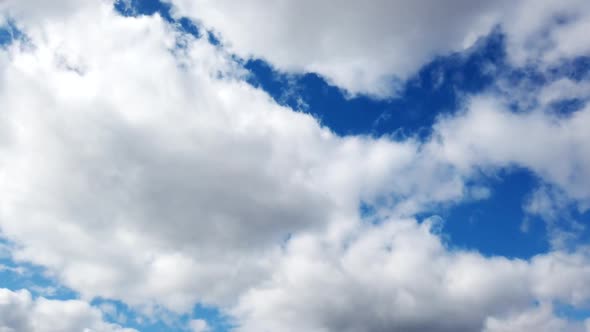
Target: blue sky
[188,166]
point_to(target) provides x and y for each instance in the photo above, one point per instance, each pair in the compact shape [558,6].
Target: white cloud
[541,319]
[31,11]
[137,170]
[554,207]
[362,46]
[400,277]
[547,31]
[359,46]
[489,135]
[561,276]
[19,312]
[199,325]
[170,168]
[564,89]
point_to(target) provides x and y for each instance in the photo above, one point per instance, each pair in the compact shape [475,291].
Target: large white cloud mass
[365,46]
[137,164]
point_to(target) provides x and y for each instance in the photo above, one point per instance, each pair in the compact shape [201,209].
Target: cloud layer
[137,164]
[369,47]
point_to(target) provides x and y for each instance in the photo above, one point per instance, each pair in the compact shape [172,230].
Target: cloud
[369,47]
[182,167]
[17,270]
[363,48]
[540,319]
[564,89]
[490,135]
[19,312]
[29,11]
[400,277]
[137,164]
[546,32]
[199,325]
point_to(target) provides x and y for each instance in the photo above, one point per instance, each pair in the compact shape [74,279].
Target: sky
[294,165]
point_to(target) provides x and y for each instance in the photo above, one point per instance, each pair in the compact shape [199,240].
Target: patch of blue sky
[119,313]
[437,89]
[6,36]
[151,7]
[495,226]
[162,320]
[576,69]
[9,32]
[499,224]
[311,94]
[217,321]
[566,107]
[578,313]
[144,7]
[16,276]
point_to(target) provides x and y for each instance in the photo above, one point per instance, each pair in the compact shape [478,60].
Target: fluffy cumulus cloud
[362,47]
[400,277]
[547,31]
[19,312]
[137,164]
[366,46]
[92,158]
